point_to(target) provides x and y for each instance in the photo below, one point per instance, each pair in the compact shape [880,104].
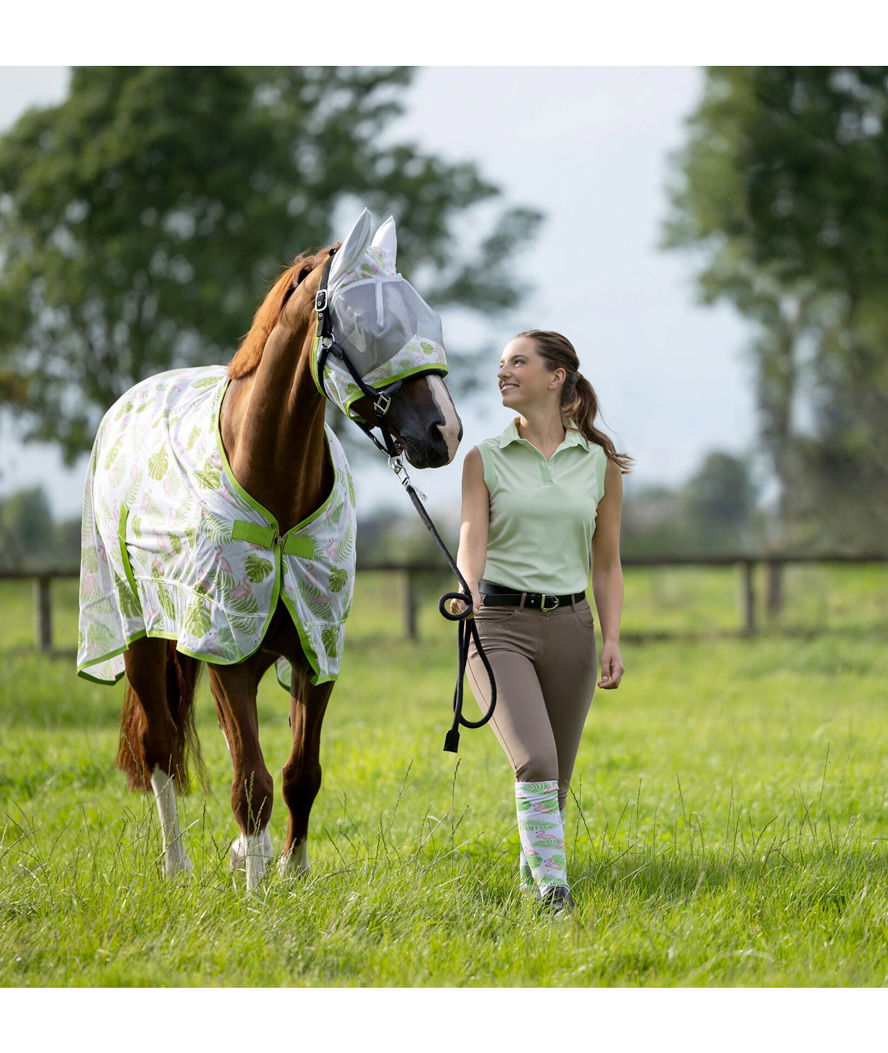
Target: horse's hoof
[238,854]
[178,867]
[242,847]
[252,854]
[295,862]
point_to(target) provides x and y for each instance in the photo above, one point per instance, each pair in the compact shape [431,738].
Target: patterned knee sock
[525,877]
[541,830]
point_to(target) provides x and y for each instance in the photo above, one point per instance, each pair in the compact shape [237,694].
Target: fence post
[748,596]
[43,612]
[774,594]
[410,605]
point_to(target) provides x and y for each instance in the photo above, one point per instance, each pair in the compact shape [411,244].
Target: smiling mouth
[507,387]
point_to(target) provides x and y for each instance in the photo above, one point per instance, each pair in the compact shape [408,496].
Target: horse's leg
[302,772]
[252,788]
[151,743]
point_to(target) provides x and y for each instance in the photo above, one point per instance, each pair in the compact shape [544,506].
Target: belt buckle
[543,606]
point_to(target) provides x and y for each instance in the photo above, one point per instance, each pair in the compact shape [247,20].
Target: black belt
[500,596]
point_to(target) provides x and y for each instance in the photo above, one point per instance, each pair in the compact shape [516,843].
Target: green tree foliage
[714,513]
[781,192]
[142,219]
[30,537]
[719,499]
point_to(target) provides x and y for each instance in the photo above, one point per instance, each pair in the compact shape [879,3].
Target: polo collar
[572,437]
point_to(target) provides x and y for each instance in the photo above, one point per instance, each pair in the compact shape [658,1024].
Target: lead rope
[468,630]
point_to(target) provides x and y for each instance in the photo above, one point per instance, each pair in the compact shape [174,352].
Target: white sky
[588,147]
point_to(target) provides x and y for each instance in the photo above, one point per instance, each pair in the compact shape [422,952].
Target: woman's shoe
[557,900]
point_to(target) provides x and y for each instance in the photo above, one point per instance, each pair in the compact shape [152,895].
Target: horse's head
[379,349]
[376,349]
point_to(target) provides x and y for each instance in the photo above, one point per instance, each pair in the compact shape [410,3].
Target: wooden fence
[412,573]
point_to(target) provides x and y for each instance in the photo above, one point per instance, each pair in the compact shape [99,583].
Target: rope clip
[400,470]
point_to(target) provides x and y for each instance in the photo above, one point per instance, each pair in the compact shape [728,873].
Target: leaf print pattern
[157,464]
[217,529]
[416,355]
[197,619]
[541,829]
[257,568]
[157,455]
[166,601]
[129,602]
[113,454]
[210,478]
[330,639]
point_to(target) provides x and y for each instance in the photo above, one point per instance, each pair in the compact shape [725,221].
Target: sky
[588,147]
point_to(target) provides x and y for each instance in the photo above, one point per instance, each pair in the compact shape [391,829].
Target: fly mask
[374,330]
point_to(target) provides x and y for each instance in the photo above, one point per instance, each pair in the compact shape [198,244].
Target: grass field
[728,826]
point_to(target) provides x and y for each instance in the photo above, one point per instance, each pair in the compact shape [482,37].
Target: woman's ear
[559,376]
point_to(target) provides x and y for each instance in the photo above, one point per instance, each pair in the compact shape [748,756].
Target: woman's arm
[607,575]
[475,518]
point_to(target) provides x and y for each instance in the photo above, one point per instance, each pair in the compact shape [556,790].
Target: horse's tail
[181,677]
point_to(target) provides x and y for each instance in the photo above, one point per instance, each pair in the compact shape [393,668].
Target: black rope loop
[447,613]
[467,633]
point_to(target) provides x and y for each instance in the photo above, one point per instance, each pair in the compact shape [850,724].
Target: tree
[713,513]
[26,527]
[781,191]
[720,504]
[142,219]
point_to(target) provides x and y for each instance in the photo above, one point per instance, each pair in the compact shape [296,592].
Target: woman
[541,503]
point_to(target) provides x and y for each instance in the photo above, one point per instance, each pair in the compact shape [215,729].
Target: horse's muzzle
[431,451]
[425,422]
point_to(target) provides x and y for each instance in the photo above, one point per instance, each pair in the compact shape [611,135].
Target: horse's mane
[249,352]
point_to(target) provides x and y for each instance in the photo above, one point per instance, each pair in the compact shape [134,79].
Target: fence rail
[412,572]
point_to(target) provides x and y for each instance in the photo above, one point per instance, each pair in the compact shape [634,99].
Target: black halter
[328,345]
[381,398]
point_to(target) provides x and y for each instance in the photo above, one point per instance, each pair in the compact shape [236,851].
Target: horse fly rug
[173,547]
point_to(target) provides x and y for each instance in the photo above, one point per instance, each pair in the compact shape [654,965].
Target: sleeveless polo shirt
[542,513]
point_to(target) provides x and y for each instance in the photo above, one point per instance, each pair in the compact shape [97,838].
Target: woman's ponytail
[582,409]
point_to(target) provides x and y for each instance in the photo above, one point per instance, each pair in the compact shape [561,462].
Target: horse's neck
[273,431]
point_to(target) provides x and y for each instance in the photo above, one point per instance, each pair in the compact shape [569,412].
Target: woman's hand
[611,667]
[458,606]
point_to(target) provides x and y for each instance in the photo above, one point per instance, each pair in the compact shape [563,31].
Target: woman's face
[524,377]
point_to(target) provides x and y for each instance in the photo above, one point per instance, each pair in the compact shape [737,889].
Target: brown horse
[271,425]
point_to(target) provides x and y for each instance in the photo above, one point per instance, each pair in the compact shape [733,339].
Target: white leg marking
[295,862]
[252,853]
[174,858]
[452,426]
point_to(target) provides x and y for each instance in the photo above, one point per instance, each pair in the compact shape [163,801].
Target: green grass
[727,828]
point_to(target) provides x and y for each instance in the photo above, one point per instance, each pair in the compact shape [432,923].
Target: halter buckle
[381,404]
[321,301]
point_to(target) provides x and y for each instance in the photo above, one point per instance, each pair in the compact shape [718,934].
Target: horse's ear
[303,270]
[353,248]
[386,238]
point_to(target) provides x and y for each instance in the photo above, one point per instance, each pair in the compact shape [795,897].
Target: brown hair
[579,403]
[249,353]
